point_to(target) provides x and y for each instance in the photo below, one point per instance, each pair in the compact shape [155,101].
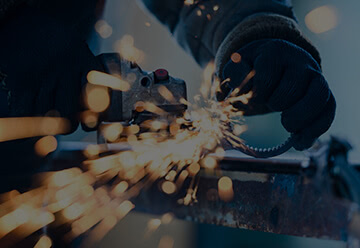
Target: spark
[237,90]
[126,48]
[111,81]
[194,169]
[166,242]
[151,107]
[120,188]
[103,29]
[225,189]
[112,131]
[96,196]
[89,118]
[153,224]
[44,242]
[73,211]
[14,219]
[189,2]
[242,98]
[209,163]
[92,151]
[134,129]
[45,145]
[220,152]
[168,187]
[167,218]
[27,127]
[124,208]
[236,57]
[239,129]
[166,94]
[322,19]
[208,75]
[97,98]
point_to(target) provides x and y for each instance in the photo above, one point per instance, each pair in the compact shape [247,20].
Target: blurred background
[331,25]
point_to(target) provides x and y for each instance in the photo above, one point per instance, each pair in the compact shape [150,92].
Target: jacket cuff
[258,27]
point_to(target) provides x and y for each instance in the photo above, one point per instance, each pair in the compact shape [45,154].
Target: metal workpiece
[290,204]
[144,88]
[289,196]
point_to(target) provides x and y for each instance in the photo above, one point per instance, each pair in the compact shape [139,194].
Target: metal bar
[272,195]
[276,203]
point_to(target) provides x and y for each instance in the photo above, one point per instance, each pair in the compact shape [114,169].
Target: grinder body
[144,88]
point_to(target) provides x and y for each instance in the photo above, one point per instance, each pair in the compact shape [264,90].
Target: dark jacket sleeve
[214,29]
[8,6]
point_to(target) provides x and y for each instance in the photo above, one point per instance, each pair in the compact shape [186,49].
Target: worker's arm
[212,29]
[268,41]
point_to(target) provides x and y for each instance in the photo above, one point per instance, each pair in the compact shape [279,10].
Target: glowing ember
[120,188]
[97,98]
[236,58]
[189,2]
[166,218]
[26,127]
[103,29]
[225,189]
[124,208]
[112,131]
[166,242]
[126,48]
[92,151]
[111,81]
[45,145]
[168,187]
[322,19]
[209,163]
[193,169]
[153,224]
[239,129]
[44,242]
[89,118]
[73,211]
[164,92]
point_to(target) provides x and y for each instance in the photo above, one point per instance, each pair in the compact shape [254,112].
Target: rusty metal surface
[273,195]
[276,203]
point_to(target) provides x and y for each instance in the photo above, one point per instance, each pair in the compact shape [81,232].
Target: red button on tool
[161,75]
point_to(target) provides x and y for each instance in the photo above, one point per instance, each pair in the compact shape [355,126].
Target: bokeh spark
[94,197]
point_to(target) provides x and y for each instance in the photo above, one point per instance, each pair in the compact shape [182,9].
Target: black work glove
[287,79]
[45,63]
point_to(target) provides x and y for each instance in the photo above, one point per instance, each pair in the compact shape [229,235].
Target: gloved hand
[44,62]
[287,79]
